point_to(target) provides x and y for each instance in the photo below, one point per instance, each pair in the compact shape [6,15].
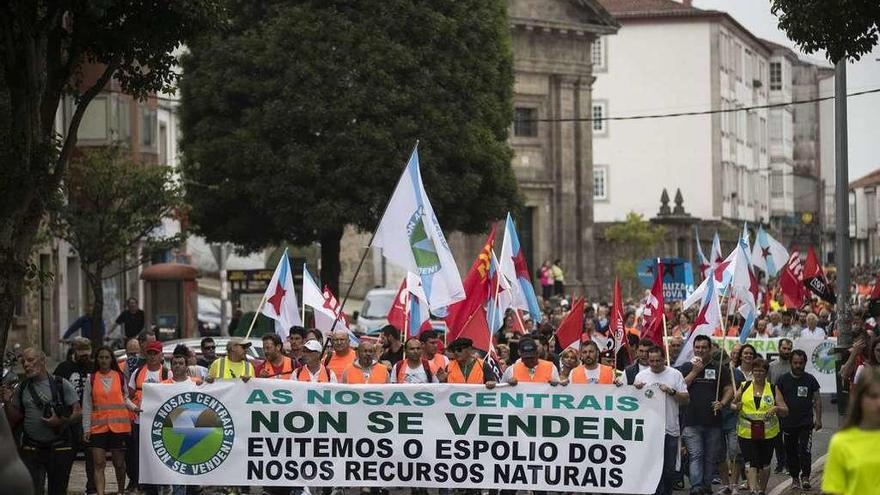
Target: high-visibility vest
[749,413]
[140,376]
[338,364]
[579,375]
[437,362]
[354,375]
[283,373]
[221,368]
[455,375]
[195,379]
[304,375]
[108,406]
[543,372]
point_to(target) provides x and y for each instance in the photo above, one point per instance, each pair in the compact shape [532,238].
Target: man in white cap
[313,370]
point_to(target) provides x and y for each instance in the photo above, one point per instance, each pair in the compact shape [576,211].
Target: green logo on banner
[422,245]
[823,360]
[196,433]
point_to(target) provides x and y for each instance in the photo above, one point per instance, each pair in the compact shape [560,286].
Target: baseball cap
[313,345]
[528,348]
[239,341]
[154,346]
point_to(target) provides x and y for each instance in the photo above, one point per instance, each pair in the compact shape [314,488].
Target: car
[255,351]
[374,313]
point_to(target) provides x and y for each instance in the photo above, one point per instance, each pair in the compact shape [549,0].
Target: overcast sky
[863,111]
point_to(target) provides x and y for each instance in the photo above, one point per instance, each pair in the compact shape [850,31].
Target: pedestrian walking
[45,406]
[296,337]
[641,363]
[466,368]
[276,365]
[529,368]
[545,275]
[801,393]
[590,371]
[759,404]
[77,373]
[778,368]
[234,364]
[342,356]
[152,371]
[106,417]
[670,382]
[851,466]
[430,343]
[209,352]
[710,389]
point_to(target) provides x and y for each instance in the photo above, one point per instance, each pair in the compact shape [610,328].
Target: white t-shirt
[412,375]
[592,375]
[816,333]
[673,379]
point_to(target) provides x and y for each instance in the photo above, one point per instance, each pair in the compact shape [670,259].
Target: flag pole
[665,331]
[363,258]
[303,318]
[406,296]
[256,314]
[723,349]
[498,276]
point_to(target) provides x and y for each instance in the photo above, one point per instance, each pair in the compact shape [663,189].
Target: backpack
[60,408]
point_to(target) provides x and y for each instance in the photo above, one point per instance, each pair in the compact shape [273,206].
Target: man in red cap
[153,371]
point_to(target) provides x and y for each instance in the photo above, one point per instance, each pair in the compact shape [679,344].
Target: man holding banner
[670,382]
[466,368]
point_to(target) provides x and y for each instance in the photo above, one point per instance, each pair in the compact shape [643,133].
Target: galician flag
[280,299]
[410,237]
[707,320]
[514,268]
[715,257]
[326,307]
[705,265]
[410,310]
[768,254]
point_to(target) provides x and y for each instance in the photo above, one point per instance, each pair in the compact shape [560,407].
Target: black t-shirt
[76,374]
[392,356]
[798,394]
[133,323]
[702,392]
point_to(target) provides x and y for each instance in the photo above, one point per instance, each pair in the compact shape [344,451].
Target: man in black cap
[530,368]
[466,368]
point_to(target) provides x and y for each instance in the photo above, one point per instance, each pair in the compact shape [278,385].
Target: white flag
[280,299]
[326,308]
[410,237]
[768,254]
[707,320]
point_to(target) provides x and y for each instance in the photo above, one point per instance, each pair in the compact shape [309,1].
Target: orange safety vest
[355,375]
[338,364]
[455,375]
[437,362]
[283,373]
[579,375]
[304,375]
[108,406]
[139,382]
[543,372]
[194,379]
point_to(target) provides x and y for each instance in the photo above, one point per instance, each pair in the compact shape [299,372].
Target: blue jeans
[704,446]
[670,456]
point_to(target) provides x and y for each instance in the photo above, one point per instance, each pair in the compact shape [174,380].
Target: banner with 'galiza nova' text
[577,438]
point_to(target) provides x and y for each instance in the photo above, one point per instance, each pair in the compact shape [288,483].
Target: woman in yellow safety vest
[759,404]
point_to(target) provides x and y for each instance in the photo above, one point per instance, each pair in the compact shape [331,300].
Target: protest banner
[578,438]
[678,276]
[821,362]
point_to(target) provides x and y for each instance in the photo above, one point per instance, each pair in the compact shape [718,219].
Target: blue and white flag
[280,302]
[411,238]
[768,254]
[514,268]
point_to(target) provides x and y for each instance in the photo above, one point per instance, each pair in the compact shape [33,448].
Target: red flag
[765,306]
[569,331]
[477,289]
[814,278]
[791,281]
[875,292]
[654,307]
[618,330]
[397,313]
[476,328]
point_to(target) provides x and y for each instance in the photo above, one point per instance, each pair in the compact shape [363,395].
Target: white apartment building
[670,57]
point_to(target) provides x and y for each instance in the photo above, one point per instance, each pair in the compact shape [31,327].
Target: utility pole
[842,253]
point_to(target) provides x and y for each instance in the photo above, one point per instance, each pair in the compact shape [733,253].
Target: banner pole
[494,311]
[256,314]
[303,317]
[665,337]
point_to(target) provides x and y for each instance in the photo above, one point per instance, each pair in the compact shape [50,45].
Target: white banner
[820,361]
[579,438]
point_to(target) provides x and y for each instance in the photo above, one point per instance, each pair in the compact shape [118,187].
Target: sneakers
[795,484]
[716,480]
[805,483]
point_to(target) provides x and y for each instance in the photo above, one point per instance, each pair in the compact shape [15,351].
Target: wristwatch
[671,391]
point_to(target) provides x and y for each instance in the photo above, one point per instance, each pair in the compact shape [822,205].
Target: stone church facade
[553,156]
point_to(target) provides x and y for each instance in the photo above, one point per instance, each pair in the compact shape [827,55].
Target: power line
[702,112]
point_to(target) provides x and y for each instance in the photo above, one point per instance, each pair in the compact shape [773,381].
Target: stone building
[554,56]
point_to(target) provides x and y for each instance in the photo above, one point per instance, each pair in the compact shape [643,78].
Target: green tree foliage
[299,119]
[844,29]
[114,210]
[44,44]
[633,240]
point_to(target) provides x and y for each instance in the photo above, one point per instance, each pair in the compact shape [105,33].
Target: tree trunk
[330,266]
[95,279]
